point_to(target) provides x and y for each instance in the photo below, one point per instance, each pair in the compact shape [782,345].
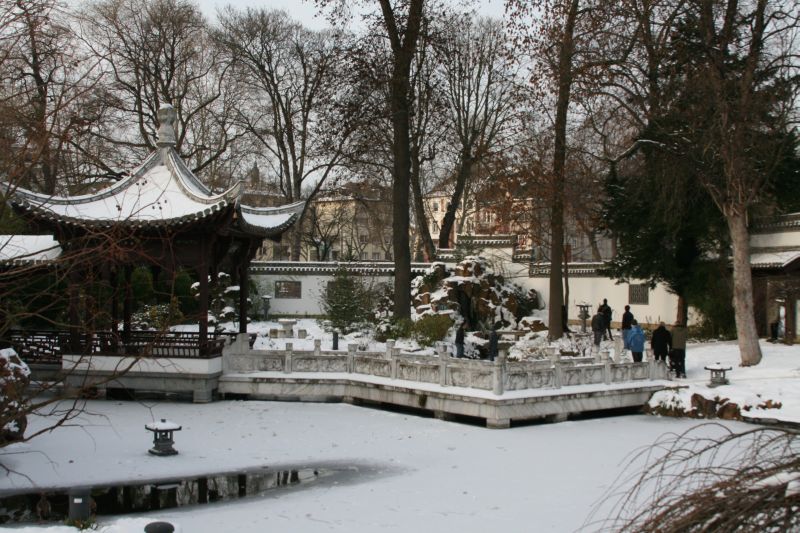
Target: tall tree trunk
[428,248]
[403,49]
[564,74]
[464,171]
[400,218]
[743,288]
[682,313]
[566,292]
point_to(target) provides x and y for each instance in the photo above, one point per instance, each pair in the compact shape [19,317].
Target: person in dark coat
[678,355]
[661,342]
[460,341]
[606,311]
[598,327]
[627,322]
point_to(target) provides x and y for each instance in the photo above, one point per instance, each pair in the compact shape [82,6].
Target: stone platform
[499,392]
[498,411]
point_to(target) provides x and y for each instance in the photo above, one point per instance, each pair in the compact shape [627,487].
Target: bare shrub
[730,482]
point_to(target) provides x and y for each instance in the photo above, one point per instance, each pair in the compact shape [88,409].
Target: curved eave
[247,218]
[44,214]
[43,205]
[192,186]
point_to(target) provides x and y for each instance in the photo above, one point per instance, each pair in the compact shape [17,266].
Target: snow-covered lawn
[416,474]
[776,380]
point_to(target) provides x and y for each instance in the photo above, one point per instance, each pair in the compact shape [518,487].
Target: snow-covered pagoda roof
[776,259]
[161,192]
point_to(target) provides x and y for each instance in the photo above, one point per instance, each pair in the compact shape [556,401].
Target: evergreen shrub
[432,328]
[346,301]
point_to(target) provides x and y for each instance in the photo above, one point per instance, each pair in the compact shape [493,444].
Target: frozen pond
[426,475]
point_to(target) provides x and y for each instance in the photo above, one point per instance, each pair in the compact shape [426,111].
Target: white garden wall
[586,286]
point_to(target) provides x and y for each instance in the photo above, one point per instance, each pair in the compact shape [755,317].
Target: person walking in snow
[627,322]
[606,311]
[661,342]
[636,341]
[678,355]
[598,327]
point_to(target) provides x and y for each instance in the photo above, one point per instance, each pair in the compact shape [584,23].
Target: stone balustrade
[498,376]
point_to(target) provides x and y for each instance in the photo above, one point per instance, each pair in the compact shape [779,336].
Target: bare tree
[708,478]
[291,74]
[47,100]
[159,52]
[479,92]
[323,227]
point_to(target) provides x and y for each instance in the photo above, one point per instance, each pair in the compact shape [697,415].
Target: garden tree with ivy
[562,38]
[667,232]
[724,120]
[745,66]
[347,301]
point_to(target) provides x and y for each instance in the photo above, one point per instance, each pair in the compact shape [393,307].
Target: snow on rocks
[471,293]
[14,378]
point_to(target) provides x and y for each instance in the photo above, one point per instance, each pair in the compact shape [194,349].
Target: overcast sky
[305,12]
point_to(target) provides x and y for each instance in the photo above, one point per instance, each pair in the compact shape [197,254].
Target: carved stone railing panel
[497,376]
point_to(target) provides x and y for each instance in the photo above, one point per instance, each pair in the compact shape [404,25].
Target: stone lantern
[162,437]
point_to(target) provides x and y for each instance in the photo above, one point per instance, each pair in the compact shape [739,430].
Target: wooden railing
[46,347]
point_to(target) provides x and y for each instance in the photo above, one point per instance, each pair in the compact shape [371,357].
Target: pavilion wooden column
[73,311]
[791,319]
[113,283]
[127,304]
[244,281]
[244,290]
[202,278]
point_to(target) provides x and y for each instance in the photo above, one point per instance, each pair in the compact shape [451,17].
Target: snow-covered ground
[415,473]
[775,381]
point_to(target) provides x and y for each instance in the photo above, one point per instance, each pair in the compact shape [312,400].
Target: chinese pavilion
[160,215]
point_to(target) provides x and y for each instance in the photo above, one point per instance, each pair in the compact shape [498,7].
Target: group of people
[663,342]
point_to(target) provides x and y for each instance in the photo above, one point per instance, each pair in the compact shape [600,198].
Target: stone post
[351,354]
[441,353]
[317,347]
[287,361]
[618,349]
[605,358]
[389,348]
[493,340]
[499,373]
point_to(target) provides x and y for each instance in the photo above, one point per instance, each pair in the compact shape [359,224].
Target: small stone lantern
[718,374]
[583,315]
[162,437]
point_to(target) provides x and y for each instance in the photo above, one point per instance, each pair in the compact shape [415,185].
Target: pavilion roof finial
[166,125]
